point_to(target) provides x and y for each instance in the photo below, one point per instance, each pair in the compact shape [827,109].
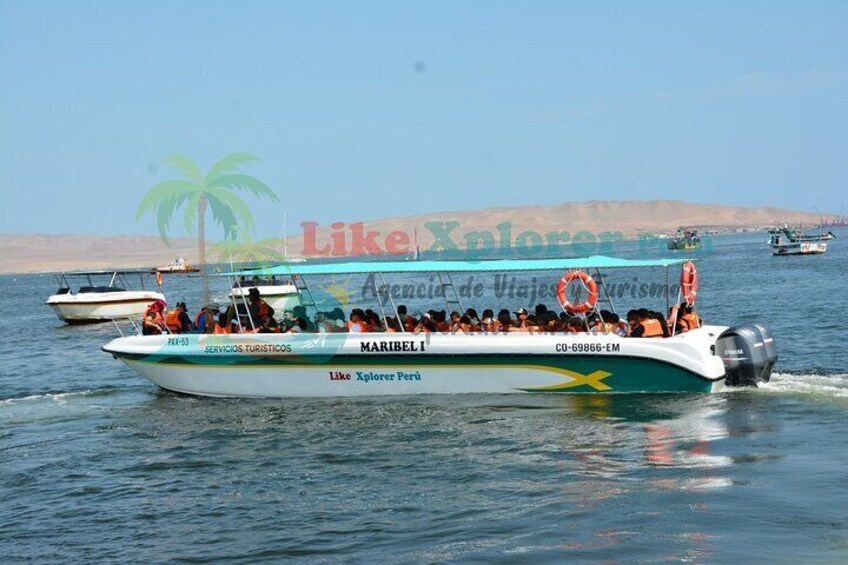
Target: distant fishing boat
[793,241]
[178,266]
[684,240]
[95,301]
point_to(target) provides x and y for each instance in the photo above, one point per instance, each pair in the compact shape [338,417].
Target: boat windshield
[102,281]
[259,281]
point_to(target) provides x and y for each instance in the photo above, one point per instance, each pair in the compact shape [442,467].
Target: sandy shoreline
[39,253]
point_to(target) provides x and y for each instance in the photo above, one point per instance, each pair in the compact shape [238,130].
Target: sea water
[97,464]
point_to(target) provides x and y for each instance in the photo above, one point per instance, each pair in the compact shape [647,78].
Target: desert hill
[42,253]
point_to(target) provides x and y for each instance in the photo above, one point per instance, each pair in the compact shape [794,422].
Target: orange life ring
[689,282]
[588,283]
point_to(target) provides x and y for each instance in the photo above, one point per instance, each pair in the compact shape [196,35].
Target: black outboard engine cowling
[771,350]
[748,353]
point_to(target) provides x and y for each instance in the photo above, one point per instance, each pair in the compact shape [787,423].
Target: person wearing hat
[259,309]
[521,317]
[205,321]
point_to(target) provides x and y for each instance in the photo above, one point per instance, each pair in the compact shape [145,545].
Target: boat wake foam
[55,396]
[824,385]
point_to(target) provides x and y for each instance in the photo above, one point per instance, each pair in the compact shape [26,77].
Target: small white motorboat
[109,300]
[280,293]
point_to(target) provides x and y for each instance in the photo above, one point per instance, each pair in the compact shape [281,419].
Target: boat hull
[177,270]
[800,248]
[676,246]
[88,308]
[339,365]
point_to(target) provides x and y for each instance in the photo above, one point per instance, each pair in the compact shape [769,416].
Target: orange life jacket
[264,310]
[220,330]
[652,328]
[692,321]
[157,316]
[172,320]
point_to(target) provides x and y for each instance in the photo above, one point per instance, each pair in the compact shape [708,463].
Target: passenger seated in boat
[357,321]
[154,321]
[549,322]
[674,322]
[298,313]
[223,325]
[489,324]
[440,319]
[521,318]
[475,319]
[572,324]
[645,325]
[338,318]
[178,320]
[204,322]
[661,319]
[300,326]
[405,320]
[454,321]
[330,322]
[392,326]
[595,323]
[504,321]
[259,309]
[426,324]
[463,325]
[268,325]
[618,326]
[540,309]
[689,319]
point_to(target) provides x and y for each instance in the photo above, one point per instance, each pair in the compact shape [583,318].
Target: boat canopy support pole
[392,302]
[379,300]
[606,291]
[444,285]
[246,308]
[676,307]
[301,286]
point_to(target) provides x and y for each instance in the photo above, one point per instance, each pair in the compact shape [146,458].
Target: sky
[362,110]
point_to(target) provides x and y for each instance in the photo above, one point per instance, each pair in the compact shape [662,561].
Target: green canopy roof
[488,265]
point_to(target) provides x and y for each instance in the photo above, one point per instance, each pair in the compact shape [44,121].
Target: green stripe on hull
[580,374]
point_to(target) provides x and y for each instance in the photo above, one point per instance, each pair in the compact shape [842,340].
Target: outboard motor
[748,353]
[771,350]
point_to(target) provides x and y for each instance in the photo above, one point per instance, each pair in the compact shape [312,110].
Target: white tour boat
[101,296]
[352,364]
